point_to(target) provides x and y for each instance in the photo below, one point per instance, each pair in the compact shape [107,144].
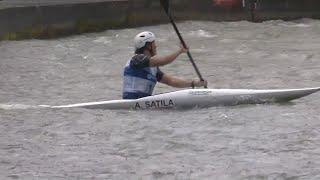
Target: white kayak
[190,98]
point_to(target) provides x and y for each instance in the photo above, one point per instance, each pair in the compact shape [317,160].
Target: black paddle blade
[165,5]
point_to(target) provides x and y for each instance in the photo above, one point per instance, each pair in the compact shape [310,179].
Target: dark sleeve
[140,61]
[159,75]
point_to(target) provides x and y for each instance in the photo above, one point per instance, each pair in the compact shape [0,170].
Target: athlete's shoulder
[139,57]
[140,61]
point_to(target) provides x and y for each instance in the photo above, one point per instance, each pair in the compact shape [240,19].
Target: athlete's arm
[181,83]
[160,61]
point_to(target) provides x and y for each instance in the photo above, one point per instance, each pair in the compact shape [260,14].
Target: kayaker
[142,72]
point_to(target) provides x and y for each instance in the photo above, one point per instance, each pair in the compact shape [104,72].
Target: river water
[271,141]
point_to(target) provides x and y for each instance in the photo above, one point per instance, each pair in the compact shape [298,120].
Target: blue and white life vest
[138,82]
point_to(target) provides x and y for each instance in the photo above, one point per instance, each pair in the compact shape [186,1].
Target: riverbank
[55,18]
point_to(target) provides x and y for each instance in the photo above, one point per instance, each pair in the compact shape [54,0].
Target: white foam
[17,106]
[301,25]
[202,33]
[103,40]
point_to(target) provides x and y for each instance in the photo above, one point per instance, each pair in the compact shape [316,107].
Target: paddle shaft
[185,46]
[166,8]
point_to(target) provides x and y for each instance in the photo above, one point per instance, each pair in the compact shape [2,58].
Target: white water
[276,141]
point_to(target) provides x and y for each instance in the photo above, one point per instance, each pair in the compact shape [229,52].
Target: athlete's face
[153,48]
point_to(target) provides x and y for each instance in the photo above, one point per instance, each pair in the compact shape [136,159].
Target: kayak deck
[201,98]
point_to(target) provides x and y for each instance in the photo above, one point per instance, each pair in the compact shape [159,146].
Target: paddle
[165,5]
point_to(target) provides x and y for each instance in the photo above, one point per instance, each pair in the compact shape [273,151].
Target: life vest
[138,82]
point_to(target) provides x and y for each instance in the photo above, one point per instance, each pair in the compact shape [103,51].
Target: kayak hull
[190,98]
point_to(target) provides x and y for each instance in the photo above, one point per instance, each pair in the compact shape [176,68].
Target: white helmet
[142,38]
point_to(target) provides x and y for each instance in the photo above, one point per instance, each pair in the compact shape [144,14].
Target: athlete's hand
[200,83]
[183,50]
